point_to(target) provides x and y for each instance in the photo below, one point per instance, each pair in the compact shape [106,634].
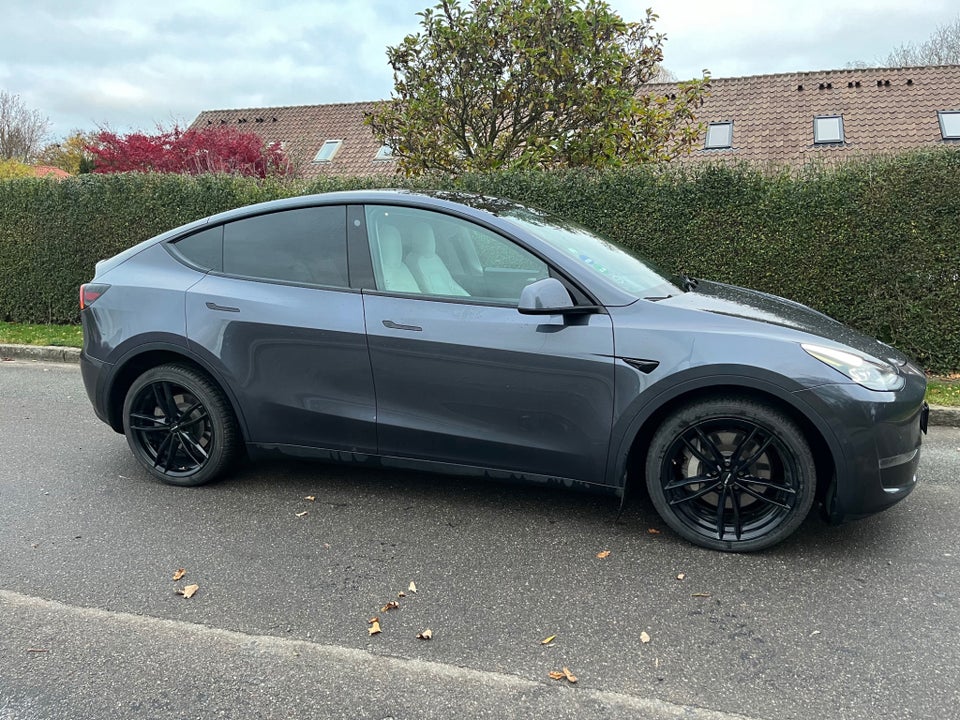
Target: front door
[460,375]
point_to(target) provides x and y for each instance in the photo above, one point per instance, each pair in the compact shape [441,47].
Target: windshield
[595,253]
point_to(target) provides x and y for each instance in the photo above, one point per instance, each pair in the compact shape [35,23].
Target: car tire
[731,474]
[180,425]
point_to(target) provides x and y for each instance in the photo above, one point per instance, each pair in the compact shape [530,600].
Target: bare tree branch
[22,131]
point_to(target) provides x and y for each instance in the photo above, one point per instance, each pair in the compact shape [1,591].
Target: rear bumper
[878,437]
[93,373]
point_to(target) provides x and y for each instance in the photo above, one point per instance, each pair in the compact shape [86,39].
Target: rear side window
[307,246]
[203,249]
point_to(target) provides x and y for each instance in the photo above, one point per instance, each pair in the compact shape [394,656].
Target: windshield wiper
[688,283]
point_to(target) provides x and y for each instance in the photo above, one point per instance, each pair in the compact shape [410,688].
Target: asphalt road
[857,621]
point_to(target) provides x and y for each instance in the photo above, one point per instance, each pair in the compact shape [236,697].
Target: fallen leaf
[603,554]
[413,587]
[561,674]
[425,635]
[547,641]
[37,650]
[681,576]
[644,638]
[189,591]
[374,628]
[179,574]
[700,595]
[301,514]
[373,620]
[310,498]
[392,605]
[401,594]
[653,531]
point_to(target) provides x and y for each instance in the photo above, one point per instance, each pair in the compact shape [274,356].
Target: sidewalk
[939,415]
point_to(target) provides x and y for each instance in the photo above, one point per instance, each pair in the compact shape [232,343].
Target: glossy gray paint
[354,373]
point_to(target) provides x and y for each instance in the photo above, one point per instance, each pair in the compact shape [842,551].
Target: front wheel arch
[731,474]
[632,462]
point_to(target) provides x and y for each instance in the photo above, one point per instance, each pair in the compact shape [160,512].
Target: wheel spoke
[714,450]
[191,446]
[754,480]
[161,449]
[741,445]
[721,526]
[686,482]
[172,410]
[756,456]
[159,423]
[761,497]
[698,453]
[194,421]
[737,521]
[171,451]
[700,493]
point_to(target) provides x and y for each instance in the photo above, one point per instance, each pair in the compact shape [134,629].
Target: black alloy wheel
[731,474]
[179,425]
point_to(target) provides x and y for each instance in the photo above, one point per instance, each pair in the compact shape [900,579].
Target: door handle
[222,308]
[398,326]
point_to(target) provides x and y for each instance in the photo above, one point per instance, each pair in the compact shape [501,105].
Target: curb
[44,353]
[939,415]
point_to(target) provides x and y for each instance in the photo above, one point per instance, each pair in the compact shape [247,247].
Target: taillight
[90,292]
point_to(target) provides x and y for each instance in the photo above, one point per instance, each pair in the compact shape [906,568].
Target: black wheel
[731,474]
[180,426]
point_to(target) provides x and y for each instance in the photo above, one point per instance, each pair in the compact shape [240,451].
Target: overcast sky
[131,64]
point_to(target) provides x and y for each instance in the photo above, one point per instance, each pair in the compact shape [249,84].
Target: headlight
[873,374]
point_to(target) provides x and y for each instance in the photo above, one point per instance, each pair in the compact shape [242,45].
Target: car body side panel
[144,303]
[296,356]
[486,386]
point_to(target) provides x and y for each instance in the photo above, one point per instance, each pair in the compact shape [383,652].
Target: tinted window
[306,246]
[203,249]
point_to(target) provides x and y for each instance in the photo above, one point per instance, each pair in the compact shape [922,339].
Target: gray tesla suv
[473,335]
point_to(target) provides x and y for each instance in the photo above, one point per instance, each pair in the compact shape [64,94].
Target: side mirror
[545,297]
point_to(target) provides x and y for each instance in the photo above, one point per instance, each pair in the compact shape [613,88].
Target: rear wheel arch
[135,364]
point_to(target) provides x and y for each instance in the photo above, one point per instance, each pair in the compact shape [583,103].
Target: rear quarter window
[203,250]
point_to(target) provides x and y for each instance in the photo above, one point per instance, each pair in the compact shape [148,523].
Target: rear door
[462,377]
[278,319]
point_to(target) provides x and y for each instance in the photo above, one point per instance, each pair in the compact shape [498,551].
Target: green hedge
[874,243]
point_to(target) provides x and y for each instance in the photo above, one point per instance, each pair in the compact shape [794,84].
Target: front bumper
[877,439]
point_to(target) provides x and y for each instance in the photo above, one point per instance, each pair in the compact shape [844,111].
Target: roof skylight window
[719,135]
[328,150]
[949,124]
[828,130]
[384,153]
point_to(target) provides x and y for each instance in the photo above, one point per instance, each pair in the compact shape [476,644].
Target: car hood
[760,307]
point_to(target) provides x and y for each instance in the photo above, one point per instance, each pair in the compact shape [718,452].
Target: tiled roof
[883,110]
[49,171]
[303,129]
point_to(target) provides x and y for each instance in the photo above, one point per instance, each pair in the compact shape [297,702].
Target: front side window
[828,129]
[306,246]
[426,253]
[593,252]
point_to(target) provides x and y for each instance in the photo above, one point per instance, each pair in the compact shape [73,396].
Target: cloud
[132,65]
